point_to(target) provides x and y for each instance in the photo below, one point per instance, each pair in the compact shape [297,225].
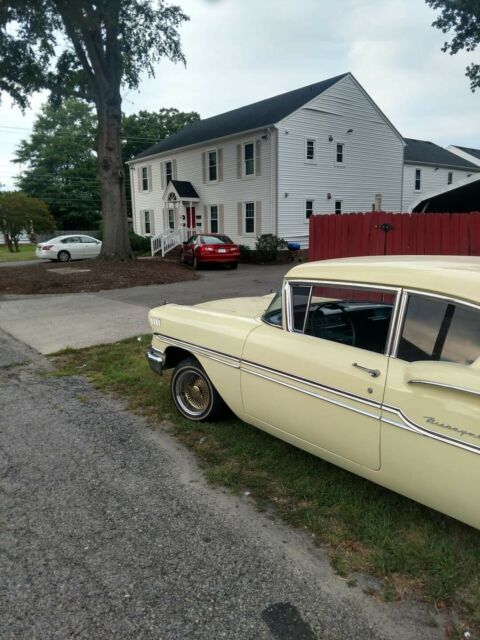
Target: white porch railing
[168,240]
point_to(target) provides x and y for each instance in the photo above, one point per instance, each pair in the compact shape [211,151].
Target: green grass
[26,252]
[415,550]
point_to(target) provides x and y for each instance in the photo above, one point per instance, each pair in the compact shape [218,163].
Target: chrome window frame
[397,291]
[425,294]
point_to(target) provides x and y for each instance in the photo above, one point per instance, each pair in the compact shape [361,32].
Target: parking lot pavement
[109,531]
[50,323]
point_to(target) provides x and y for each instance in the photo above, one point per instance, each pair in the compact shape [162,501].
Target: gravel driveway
[109,531]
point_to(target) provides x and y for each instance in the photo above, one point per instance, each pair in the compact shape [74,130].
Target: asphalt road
[109,531]
[50,323]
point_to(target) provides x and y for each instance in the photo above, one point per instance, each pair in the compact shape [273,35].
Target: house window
[213,218]
[171,218]
[338,207]
[212,166]
[145,184]
[339,153]
[249,217]
[450,177]
[168,171]
[310,149]
[308,208]
[146,219]
[418,179]
[249,159]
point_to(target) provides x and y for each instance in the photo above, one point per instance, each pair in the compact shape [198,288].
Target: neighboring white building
[429,168]
[467,153]
[266,167]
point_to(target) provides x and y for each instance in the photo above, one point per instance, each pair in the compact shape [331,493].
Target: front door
[190,218]
[323,381]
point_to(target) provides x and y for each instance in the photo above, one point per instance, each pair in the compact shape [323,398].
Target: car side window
[442,330]
[353,316]
[191,240]
[72,239]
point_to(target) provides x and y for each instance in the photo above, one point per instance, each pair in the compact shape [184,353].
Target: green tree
[143,129]
[19,214]
[463,18]
[89,49]
[61,164]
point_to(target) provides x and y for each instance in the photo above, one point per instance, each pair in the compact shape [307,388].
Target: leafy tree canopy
[89,49]
[462,17]
[20,213]
[61,164]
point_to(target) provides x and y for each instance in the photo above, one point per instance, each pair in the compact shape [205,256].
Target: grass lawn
[27,252]
[416,551]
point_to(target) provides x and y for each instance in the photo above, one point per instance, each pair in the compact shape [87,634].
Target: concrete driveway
[50,323]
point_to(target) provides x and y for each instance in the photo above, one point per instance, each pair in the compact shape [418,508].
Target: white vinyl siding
[432,179]
[225,193]
[373,158]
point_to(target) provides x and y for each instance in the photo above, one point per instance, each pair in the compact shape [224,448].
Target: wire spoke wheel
[192,393]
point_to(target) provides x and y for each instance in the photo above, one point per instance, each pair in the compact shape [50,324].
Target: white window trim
[144,222]
[415,180]
[305,219]
[314,159]
[250,175]
[210,218]
[170,209]
[335,207]
[215,150]
[343,143]
[249,234]
[142,168]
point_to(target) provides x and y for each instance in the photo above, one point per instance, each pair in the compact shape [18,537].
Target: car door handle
[371,372]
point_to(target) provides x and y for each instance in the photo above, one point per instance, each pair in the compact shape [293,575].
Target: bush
[268,245]
[138,243]
[246,254]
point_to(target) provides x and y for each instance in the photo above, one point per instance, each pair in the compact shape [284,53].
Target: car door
[73,245]
[189,248]
[310,380]
[90,247]
[434,380]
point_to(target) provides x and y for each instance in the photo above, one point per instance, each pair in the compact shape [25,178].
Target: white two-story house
[430,168]
[266,167]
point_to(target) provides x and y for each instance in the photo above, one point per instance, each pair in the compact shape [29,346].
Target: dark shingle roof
[253,116]
[185,189]
[473,152]
[424,152]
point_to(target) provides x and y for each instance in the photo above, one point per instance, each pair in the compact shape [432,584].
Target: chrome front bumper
[156,360]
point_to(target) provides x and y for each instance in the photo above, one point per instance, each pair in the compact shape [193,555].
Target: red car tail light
[206,249]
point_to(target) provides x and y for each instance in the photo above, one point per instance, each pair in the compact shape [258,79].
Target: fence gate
[380,233]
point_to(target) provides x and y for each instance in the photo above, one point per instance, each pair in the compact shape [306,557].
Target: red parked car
[212,248]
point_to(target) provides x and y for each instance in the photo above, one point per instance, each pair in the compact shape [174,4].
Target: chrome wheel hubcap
[192,393]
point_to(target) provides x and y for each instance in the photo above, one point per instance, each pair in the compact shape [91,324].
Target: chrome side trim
[409,425]
[444,385]
[218,356]
[313,395]
[311,383]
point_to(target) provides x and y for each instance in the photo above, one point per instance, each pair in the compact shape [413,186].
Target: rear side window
[439,330]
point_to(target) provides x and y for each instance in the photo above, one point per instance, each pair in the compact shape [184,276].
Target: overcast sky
[241,51]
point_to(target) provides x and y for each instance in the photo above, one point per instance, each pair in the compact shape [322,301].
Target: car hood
[248,307]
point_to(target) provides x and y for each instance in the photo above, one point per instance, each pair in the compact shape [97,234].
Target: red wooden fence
[380,233]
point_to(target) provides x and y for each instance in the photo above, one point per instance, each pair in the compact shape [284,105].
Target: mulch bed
[90,275]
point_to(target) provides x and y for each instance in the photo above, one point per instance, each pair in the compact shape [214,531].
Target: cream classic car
[370,363]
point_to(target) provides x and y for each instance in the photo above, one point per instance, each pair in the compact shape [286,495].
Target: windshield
[273,313]
[215,240]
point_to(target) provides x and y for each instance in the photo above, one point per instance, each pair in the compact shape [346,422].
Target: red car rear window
[215,240]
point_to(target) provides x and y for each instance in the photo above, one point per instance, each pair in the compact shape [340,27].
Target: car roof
[456,276]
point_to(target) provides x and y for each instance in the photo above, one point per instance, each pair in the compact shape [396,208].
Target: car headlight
[154,322]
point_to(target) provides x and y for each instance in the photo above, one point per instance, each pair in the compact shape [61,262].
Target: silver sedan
[65,248]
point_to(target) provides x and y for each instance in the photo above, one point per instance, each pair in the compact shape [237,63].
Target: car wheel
[193,394]
[63,256]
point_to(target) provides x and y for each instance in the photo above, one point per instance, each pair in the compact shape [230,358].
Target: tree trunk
[8,242]
[111,175]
